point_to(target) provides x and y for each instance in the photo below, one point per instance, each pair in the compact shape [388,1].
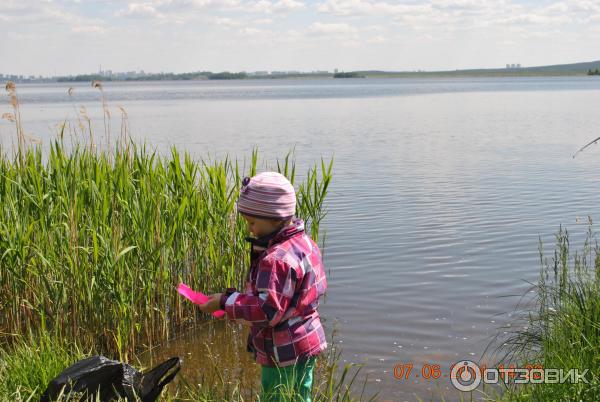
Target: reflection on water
[436,208]
[212,353]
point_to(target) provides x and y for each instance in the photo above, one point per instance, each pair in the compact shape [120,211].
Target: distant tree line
[348,75]
[200,75]
[227,76]
[84,77]
[595,72]
[170,76]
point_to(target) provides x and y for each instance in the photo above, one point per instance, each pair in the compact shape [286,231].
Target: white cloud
[287,6]
[365,7]
[464,14]
[24,13]
[268,6]
[89,29]
[162,8]
[376,39]
[319,28]
[228,22]
[529,18]
[263,21]
[141,10]
[251,31]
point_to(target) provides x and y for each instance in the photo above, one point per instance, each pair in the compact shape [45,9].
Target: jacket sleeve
[275,283]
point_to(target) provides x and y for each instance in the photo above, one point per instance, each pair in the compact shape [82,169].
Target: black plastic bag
[112,379]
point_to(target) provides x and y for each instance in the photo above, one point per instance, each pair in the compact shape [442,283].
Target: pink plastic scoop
[197,298]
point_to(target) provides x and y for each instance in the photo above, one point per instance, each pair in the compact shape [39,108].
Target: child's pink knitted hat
[267,195]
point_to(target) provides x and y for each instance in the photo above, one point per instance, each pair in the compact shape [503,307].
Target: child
[283,286]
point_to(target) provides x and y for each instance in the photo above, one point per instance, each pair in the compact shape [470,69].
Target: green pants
[290,383]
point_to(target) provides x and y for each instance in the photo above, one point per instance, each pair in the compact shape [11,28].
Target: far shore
[589,69]
[361,76]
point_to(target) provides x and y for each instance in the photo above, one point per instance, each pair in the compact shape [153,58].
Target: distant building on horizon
[512,66]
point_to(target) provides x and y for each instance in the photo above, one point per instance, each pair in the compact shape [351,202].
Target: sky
[61,37]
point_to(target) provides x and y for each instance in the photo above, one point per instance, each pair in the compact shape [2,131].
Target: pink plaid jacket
[283,287]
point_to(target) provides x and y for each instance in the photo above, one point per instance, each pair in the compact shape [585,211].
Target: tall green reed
[562,323]
[94,242]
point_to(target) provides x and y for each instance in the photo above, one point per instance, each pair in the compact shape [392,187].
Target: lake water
[441,190]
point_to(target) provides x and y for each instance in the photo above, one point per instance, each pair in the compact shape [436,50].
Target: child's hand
[212,305]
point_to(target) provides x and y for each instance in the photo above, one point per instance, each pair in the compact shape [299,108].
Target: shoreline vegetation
[559,327]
